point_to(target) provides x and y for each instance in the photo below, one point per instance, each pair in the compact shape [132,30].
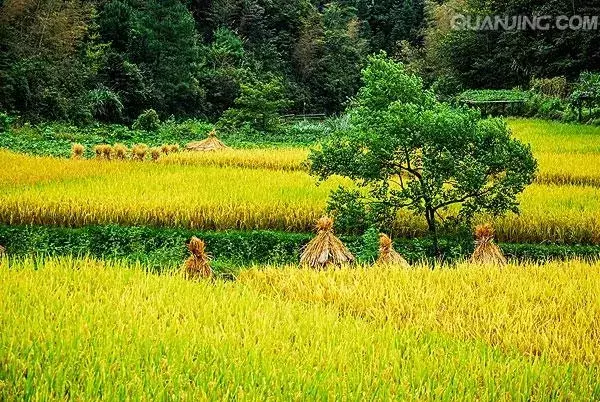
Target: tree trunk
[431,224]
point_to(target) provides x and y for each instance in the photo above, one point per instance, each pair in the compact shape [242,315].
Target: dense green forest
[110,60]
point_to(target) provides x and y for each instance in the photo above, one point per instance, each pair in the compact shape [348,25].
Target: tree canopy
[110,60]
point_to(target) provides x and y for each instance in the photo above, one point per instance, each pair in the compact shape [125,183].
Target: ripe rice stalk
[486,251]
[325,249]
[155,153]
[197,266]
[174,148]
[77,151]
[165,149]
[120,151]
[212,143]
[387,254]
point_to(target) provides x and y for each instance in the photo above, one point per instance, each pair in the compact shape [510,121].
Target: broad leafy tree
[403,149]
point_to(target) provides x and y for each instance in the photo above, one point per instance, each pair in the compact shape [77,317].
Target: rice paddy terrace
[107,328]
[269,189]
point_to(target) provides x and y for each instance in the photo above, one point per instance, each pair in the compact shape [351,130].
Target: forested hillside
[109,60]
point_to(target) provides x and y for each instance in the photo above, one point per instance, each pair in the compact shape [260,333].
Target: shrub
[305,132]
[147,121]
[105,105]
[370,246]
[5,122]
[588,84]
[259,106]
[446,87]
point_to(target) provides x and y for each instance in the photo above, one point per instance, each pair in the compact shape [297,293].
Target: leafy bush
[588,85]
[369,251]
[106,105]
[258,107]
[163,248]
[545,107]
[147,121]
[305,132]
[5,122]
[446,87]
[488,95]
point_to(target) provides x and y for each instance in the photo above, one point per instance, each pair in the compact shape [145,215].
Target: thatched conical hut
[325,249]
[198,264]
[486,251]
[212,143]
[387,254]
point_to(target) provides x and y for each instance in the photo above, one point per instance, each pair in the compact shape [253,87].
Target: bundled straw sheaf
[107,152]
[212,143]
[120,151]
[99,151]
[155,153]
[139,151]
[77,151]
[2,251]
[197,266]
[387,254]
[325,249]
[486,251]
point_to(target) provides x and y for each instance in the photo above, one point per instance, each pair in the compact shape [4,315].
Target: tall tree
[406,150]
[48,58]
[159,47]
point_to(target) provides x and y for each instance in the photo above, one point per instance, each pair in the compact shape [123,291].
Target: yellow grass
[87,330]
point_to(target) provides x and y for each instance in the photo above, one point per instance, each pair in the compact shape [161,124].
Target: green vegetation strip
[160,248]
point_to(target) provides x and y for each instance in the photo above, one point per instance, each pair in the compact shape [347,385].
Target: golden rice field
[78,193]
[84,329]
[264,158]
[269,189]
[567,153]
[550,310]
